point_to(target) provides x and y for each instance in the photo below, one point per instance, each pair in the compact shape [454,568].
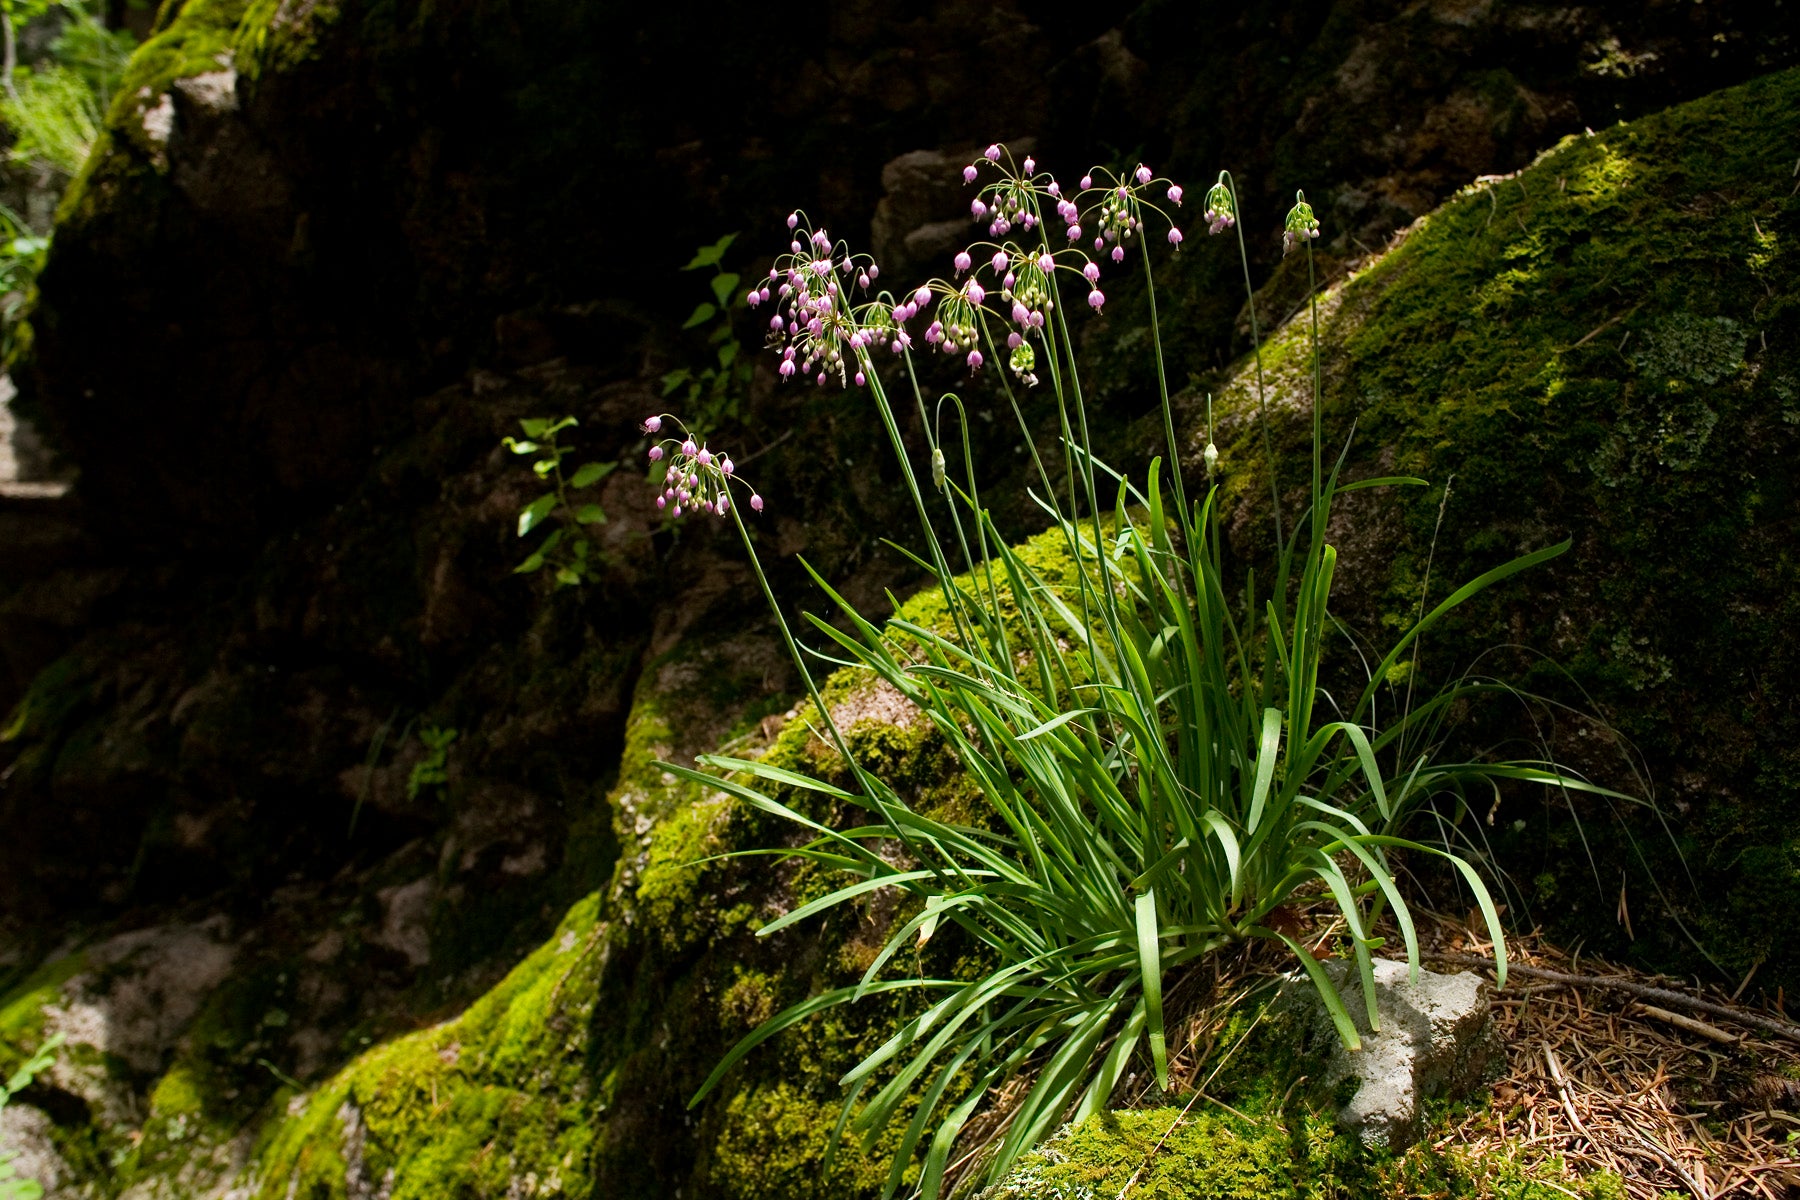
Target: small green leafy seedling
[713,394]
[434,769]
[572,555]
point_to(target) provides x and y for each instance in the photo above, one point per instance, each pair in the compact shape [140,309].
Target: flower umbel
[694,476]
[822,333]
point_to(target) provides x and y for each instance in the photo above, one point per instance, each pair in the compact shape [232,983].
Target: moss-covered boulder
[1606,348]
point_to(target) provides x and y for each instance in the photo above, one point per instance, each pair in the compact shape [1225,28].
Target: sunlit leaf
[709,256]
[533,514]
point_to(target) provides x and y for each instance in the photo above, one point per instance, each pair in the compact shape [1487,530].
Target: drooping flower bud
[688,447]
[1221,213]
[1300,225]
[974,360]
[969,173]
[1096,299]
[937,468]
[793,219]
[1174,236]
[993,153]
[1091,272]
[1143,173]
[652,424]
[1087,181]
[1175,194]
[1211,457]
[755,501]
[656,453]
[962,261]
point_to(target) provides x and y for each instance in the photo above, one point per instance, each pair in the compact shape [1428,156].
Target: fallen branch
[1690,1024]
[1642,991]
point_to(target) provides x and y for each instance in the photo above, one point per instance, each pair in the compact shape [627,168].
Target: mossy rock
[1605,348]
[575,1073]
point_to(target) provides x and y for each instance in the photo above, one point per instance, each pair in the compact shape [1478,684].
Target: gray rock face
[1436,1040]
[25,1137]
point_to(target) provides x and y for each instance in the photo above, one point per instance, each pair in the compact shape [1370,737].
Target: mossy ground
[1173,1153]
[1266,1128]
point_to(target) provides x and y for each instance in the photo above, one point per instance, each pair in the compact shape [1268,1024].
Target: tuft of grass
[1161,771]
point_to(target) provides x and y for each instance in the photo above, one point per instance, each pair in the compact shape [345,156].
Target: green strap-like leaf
[1150,965]
[1268,745]
[797,1013]
[850,893]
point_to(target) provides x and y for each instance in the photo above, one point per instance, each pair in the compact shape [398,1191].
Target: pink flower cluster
[822,332]
[1119,213]
[695,478]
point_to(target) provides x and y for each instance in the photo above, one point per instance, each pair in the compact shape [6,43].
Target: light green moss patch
[22,1010]
[1208,1153]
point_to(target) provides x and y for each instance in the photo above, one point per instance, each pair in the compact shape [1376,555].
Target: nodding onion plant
[1160,767]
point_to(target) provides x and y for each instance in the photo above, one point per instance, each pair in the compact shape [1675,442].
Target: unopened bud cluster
[1221,208]
[695,478]
[1300,225]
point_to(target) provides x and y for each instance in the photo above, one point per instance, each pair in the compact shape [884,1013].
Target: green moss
[1206,1152]
[1162,1154]
[179,1093]
[190,37]
[22,1010]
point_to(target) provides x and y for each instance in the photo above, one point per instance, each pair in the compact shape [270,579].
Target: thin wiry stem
[1262,400]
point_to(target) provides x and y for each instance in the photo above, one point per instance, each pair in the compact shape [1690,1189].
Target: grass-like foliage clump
[1160,772]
